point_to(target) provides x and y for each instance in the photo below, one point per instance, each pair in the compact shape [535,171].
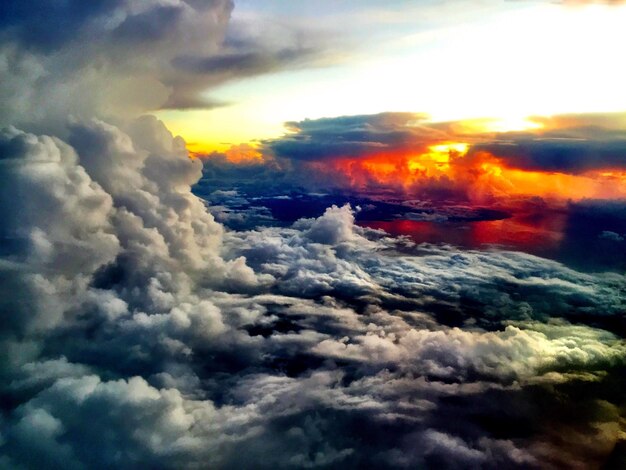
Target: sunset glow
[484,179]
[482,63]
[481,176]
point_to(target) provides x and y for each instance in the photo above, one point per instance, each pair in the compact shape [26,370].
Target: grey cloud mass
[123,57]
[354,136]
[561,152]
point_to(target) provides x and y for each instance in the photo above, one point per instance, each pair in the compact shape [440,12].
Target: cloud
[144,333]
[397,151]
[137,331]
[570,143]
[556,152]
[44,25]
[592,2]
[612,236]
[242,63]
[406,152]
[124,52]
[353,136]
[122,58]
[196,73]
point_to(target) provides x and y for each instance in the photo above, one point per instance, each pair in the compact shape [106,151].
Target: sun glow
[458,147]
[437,159]
[497,180]
[480,177]
[512,124]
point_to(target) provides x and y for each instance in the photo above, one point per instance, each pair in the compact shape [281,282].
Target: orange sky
[483,176]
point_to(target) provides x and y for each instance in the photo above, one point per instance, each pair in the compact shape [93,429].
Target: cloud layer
[141,333]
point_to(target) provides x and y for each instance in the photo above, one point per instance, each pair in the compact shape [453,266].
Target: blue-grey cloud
[242,63]
[205,71]
[48,25]
[354,136]
[159,55]
[561,151]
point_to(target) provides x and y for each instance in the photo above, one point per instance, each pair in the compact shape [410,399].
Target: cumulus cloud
[561,152]
[125,53]
[122,58]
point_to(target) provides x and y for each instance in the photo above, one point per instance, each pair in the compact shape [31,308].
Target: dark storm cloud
[556,152]
[569,143]
[47,25]
[148,26]
[593,234]
[354,136]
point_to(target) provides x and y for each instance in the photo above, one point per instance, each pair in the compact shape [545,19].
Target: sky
[450,60]
[332,234]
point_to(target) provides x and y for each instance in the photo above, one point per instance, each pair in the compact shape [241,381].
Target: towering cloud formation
[137,332]
[123,57]
[103,57]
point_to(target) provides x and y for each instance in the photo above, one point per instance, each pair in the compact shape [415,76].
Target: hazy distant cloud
[591,2]
[251,46]
[204,71]
[555,152]
[354,136]
[192,100]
